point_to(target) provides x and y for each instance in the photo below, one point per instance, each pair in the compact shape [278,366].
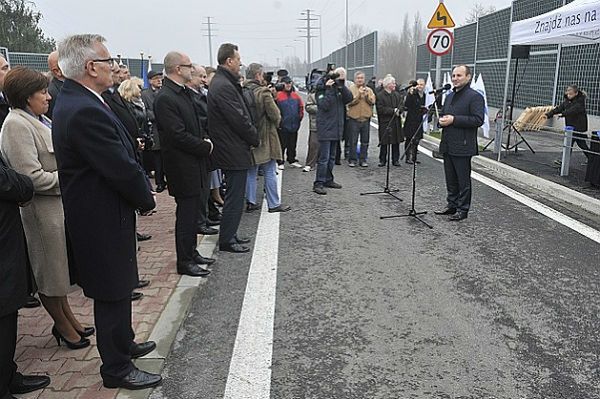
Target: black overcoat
[102,185]
[14,189]
[385,104]
[185,152]
[229,123]
[574,112]
[468,108]
[413,123]
[118,105]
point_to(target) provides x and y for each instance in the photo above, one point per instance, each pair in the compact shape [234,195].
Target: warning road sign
[440,41]
[441,18]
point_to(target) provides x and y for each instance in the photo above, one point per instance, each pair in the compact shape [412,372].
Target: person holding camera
[360,111]
[332,98]
[389,109]
[413,124]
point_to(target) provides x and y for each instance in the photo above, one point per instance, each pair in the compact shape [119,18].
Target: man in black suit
[231,129]
[102,186]
[461,115]
[185,153]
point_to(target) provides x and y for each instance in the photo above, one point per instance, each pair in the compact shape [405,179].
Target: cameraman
[332,97]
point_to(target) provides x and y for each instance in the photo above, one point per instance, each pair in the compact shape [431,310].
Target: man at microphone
[461,115]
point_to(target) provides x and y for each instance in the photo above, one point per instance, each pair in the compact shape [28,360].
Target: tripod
[387,189]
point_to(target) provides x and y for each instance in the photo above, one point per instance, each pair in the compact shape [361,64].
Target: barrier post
[566,154]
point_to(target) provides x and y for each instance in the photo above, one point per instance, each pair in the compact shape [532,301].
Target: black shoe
[160,189]
[381,164]
[27,383]
[143,283]
[338,162]
[242,240]
[458,216]
[143,237]
[142,349]
[396,163]
[211,222]
[408,161]
[207,231]
[32,302]
[87,331]
[250,207]
[333,184]
[82,343]
[201,260]
[280,208]
[235,248]
[135,295]
[446,211]
[136,379]
[320,190]
[192,269]
[417,162]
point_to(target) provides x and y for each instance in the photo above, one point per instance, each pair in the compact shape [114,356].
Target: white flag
[429,99]
[480,87]
[447,80]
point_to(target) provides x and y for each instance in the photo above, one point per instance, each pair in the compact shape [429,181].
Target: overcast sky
[265,30]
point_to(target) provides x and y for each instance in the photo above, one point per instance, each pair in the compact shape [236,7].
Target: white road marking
[250,368]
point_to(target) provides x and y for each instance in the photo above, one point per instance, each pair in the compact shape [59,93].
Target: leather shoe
[396,163]
[136,379]
[141,349]
[28,383]
[242,240]
[280,208]
[32,302]
[192,269]
[201,260]
[446,211]
[333,184]
[250,207]
[320,190]
[143,283]
[235,248]
[381,164]
[458,216]
[211,222]
[143,237]
[207,231]
[135,295]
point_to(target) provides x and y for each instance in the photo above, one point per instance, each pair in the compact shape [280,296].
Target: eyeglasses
[109,61]
[185,65]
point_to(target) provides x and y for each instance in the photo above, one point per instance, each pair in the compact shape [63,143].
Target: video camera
[279,86]
[317,74]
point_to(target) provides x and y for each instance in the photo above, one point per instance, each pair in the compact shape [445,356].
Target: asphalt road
[502,305]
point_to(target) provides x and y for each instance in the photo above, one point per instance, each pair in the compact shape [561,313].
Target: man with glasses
[102,186]
[231,129]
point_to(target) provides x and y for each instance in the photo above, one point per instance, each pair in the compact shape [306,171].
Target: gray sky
[262,28]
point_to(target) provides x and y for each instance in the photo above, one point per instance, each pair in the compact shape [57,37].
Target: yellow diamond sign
[441,18]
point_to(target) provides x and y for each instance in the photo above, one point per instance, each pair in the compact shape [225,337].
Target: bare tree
[477,11]
[355,32]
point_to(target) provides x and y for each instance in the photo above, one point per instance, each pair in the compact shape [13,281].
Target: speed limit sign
[440,41]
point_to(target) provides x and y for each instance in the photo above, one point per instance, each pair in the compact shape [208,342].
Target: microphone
[446,87]
[410,85]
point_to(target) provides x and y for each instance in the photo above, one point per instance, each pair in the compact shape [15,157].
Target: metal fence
[540,80]
[361,55]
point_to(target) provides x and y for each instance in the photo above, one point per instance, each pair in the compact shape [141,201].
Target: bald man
[56,82]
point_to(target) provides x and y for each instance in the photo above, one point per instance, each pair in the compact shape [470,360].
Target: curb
[172,317]
[521,178]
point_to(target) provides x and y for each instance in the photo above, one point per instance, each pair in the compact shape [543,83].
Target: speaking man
[461,115]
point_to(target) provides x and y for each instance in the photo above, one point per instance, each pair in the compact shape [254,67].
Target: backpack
[250,100]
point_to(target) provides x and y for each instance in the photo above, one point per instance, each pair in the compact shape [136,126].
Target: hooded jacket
[573,111]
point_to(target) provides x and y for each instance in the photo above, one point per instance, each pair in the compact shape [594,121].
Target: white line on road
[250,368]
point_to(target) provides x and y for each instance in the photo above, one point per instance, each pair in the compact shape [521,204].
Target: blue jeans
[358,129]
[270,169]
[326,162]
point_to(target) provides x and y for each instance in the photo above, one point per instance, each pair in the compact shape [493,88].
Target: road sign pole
[438,72]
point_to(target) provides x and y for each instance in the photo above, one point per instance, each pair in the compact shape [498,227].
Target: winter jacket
[413,104]
[269,118]
[386,103]
[331,111]
[573,111]
[468,108]
[229,123]
[361,106]
[311,108]
[148,96]
[292,110]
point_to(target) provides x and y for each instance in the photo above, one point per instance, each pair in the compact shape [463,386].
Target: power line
[308,35]
[210,35]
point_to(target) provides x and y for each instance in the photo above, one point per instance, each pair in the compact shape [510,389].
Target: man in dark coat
[15,190]
[185,155]
[155,79]
[413,124]
[102,186]
[231,130]
[389,107]
[460,117]
[332,97]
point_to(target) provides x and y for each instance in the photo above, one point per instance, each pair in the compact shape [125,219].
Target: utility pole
[209,33]
[308,35]
[320,36]
[347,35]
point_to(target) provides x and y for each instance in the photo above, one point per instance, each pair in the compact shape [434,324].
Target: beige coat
[361,106]
[269,118]
[26,144]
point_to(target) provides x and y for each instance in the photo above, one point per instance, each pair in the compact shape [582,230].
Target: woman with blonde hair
[131,91]
[26,143]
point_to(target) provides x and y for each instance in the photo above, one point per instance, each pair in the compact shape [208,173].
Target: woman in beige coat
[26,143]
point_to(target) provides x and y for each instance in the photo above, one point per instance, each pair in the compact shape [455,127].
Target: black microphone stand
[387,189]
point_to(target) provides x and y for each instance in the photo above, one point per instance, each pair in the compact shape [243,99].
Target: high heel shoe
[82,343]
[87,331]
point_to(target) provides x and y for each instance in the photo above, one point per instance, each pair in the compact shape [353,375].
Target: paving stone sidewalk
[76,373]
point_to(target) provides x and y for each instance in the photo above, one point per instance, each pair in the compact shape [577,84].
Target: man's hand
[362,91]
[330,83]
[140,143]
[446,120]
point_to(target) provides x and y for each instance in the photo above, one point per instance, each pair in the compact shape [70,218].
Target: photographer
[332,97]
[413,124]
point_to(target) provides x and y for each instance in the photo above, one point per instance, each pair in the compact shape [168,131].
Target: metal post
[475,55]
[438,72]
[566,154]
[210,55]
[556,72]
[497,142]
[506,78]
[346,63]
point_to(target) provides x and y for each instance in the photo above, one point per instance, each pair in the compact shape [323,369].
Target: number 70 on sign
[440,41]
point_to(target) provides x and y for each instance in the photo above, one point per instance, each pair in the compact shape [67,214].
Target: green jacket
[269,117]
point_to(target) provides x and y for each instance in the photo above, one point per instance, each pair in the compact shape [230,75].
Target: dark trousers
[233,206]
[326,162]
[338,152]
[114,336]
[8,342]
[580,140]
[203,207]
[186,227]
[458,181]
[159,172]
[383,150]
[411,154]
[358,129]
[313,149]
[289,142]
